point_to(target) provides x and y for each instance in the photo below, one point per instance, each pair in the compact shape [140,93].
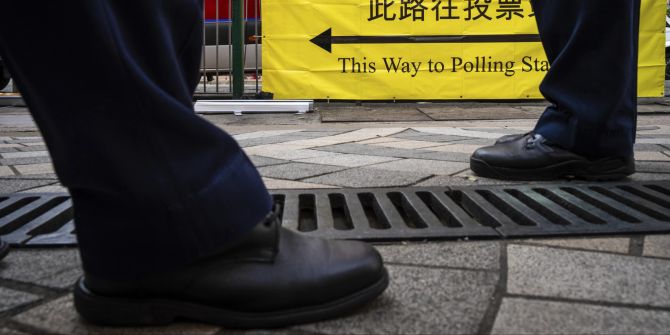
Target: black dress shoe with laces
[271,278]
[532,157]
[4,249]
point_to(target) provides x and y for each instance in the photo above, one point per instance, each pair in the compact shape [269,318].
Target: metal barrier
[227,24]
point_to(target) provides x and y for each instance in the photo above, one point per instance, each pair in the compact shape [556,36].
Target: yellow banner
[390,49]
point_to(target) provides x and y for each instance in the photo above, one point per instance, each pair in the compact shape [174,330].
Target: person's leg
[592,88]
[162,198]
[104,82]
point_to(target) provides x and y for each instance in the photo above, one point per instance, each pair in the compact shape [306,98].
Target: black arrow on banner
[325,40]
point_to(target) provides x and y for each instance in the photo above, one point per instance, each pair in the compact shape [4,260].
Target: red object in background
[224,10]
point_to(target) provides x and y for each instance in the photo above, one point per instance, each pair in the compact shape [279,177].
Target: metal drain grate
[409,213]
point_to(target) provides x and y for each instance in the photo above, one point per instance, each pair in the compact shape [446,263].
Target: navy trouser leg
[109,83]
[592,84]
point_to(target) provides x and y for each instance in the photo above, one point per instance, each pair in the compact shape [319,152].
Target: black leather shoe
[510,138]
[4,249]
[532,157]
[271,278]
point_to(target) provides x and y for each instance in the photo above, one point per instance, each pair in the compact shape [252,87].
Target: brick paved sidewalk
[612,285]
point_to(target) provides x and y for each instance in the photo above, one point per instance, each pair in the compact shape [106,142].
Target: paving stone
[6,171]
[59,316]
[352,136]
[462,148]
[524,316]
[295,171]
[347,160]
[13,145]
[284,152]
[648,147]
[278,184]
[45,168]
[370,150]
[423,166]
[264,133]
[551,272]
[408,144]
[10,299]
[421,301]
[479,113]
[412,134]
[371,114]
[653,167]
[380,140]
[47,189]
[657,246]
[617,245]
[260,161]
[25,161]
[25,154]
[650,156]
[465,178]
[459,132]
[665,141]
[648,177]
[470,255]
[8,186]
[364,177]
[57,268]
[267,140]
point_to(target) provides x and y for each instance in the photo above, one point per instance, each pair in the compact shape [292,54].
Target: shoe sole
[106,311]
[4,249]
[602,170]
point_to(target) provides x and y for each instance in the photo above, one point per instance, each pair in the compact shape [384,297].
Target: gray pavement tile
[57,188]
[57,268]
[25,161]
[10,299]
[35,169]
[469,255]
[462,180]
[500,130]
[648,176]
[652,167]
[260,161]
[43,176]
[33,148]
[295,171]
[657,246]
[347,160]
[371,114]
[16,185]
[4,150]
[60,317]
[648,147]
[524,316]
[273,139]
[551,272]
[423,166]
[375,150]
[29,154]
[411,134]
[480,113]
[421,301]
[364,177]
[616,245]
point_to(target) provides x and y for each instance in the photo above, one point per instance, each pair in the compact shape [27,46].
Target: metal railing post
[238,48]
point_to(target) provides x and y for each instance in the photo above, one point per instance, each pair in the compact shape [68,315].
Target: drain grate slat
[533,219]
[46,223]
[388,214]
